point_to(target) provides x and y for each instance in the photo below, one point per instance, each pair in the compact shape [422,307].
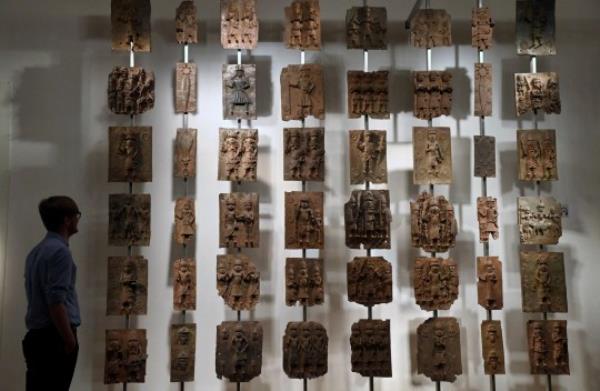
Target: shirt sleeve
[58,277]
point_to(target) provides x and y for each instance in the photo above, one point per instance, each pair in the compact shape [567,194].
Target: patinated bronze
[431,28]
[432,94]
[438,349]
[186,81]
[492,347]
[302,93]
[487,216]
[185,153]
[485,156]
[482,28]
[366,28]
[239,220]
[304,154]
[238,281]
[537,155]
[239,91]
[432,156]
[239,24]
[238,154]
[129,220]
[183,352]
[433,225]
[130,154]
[185,220]
[537,92]
[130,90]
[436,283]
[371,352]
[367,218]
[127,291]
[548,347]
[368,94]
[184,284]
[483,90]
[536,27]
[125,356]
[239,351]
[369,281]
[186,23]
[130,23]
[543,285]
[304,220]
[303,25]
[489,283]
[540,220]
[368,156]
[305,350]
[304,283]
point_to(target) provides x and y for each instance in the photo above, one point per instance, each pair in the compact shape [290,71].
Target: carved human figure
[438,349]
[185,90]
[487,216]
[238,281]
[130,25]
[130,90]
[186,24]
[127,286]
[185,220]
[543,282]
[537,92]
[305,350]
[489,285]
[539,220]
[537,155]
[125,356]
[129,220]
[238,86]
[303,25]
[239,350]
[185,153]
[369,281]
[368,94]
[130,154]
[302,92]
[433,224]
[548,347]
[183,351]
[304,281]
[184,284]
[536,27]
[430,28]
[483,90]
[368,156]
[482,28]
[304,154]
[304,220]
[238,154]
[367,218]
[366,28]
[239,25]
[492,347]
[436,283]
[239,220]
[370,344]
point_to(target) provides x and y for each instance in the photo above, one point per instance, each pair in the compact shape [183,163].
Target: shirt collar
[54,235]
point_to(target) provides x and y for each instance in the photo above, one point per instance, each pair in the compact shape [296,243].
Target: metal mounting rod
[418,5]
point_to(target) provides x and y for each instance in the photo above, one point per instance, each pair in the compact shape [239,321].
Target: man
[50,346]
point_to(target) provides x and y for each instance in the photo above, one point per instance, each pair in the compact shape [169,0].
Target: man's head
[60,214]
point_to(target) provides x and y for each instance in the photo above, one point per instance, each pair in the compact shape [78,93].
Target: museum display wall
[245,251]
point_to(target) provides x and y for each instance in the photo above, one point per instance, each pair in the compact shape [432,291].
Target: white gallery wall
[55,57]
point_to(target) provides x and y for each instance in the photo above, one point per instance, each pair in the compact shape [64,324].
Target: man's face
[72,223]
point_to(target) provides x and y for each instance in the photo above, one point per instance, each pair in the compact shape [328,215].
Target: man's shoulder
[50,247]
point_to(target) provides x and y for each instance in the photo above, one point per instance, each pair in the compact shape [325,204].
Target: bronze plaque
[130,154]
[239,24]
[537,155]
[431,28]
[485,156]
[304,281]
[432,94]
[366,28]
[537,92]
[186,23]
[186,81]
[238,154]
[548,347]
[368,94]
[543,283]
[492,347]
[482,28]
[305,350]
[183,352]
[304,220]
[433,225]
[367,218]
[536,27]
[304,154]
[432,156]
[489,283]
[303,25]
[239,220]
[130,23]
[540,220]
[483,90]
[239,91]
[238,281]
[184,284]
[127,291]
[438,349]
[130,90]
[185,153]
[368,156]
[129,220]
[125,356]
[239,351]
[302,92]
[185,220]
[369,281]
[436,283]
[371,352]
[487,216]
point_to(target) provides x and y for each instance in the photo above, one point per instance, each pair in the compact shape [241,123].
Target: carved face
[230,205]
[134,347]
[238,266]
[249,144]
[231,144]
[536,83]
[492,334]
[183,336]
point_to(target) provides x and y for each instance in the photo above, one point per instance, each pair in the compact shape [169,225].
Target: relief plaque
[487,216]
[239,91]
[304,154]
[185,220]
[492,347]
[366,28]
[368,156]
[438,349]
[370,281]
[489,283]
[370,344]
[302,92]
[183,352]
[305,350]
[304,220]
[130,23]
[186,81]
[548,347]
[130,154]
[485,156]
[125,356]
[536,27]
[130,90]
[186,23]
[185,153]
[482,28]
[436,283]
[238,281]
[368,94]
[239,351]
[129,220]
[433,225]
[239,220]
[304,281]
[367,219]
[537,92]
[432,94]
[127,292]
[238,154]
[184,284]
[431,28]
[540,220]
[432,154]
[483,90]
[303,25]
[239,24]
[543,283]
[537,155]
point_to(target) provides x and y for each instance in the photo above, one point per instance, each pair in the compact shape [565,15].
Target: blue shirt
[50,274]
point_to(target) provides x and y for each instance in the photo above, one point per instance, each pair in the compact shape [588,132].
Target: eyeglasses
[78,214]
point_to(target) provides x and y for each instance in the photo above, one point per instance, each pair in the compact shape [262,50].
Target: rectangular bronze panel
[537,155]
[540,220]
[366,28]
[367,218]
[304,154]
[483,90]
[185,153]
[184,284]
[186,23]
[302,92]
[183,352]
[487,216]
[433,225]
[537,92]
[185,220]
[129,220]
[368,94]
[239,24]
[489,283]
[482,28]
[485,156]
[432,94]
[130,22]
[543,283]
[304,283]
[368,156]
[371,351]
[492,347]
[125,356]
[305,350]
[238,154]
[304,220]
[239,91]
[432,154]
[238,281]
[431,28]
[436,283]
[536,27]
[186,81]
[239,220]
[130,90]
[127,291]
[548,347]
[130,154]
[438,349]
[369,281]
[303,25]
[239,351]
